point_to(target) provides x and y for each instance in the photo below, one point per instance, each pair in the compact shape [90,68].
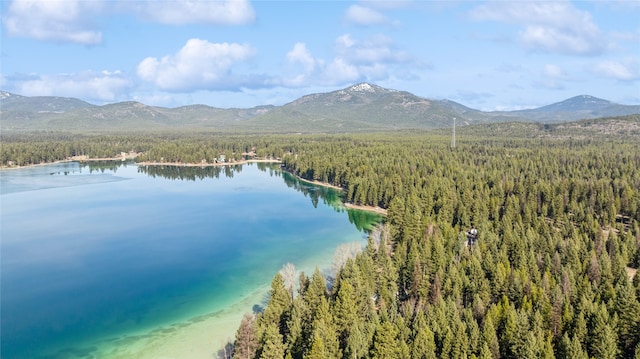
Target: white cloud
[377,49]
[387,4]
[73,20]
[627,69]
[361,15]
[340,71]
[553,77]
[198,65]
[372,59]
[54,20]
[104,86]
[300,54]
[219,12]
[556,27]
[554,71]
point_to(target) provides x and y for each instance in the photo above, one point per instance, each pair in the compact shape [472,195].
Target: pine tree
[246,342]
[603,337]
[490,338]
[628,325]
[316,291]
[423,345]
[384,342]
[324,328]
[572,348]
[271,346]
[279,305]
[298,326]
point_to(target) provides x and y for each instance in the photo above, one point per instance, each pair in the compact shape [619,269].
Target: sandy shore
[378,210]
[318,183]
[199,337]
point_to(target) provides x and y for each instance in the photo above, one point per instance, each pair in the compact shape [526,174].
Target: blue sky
[237,53]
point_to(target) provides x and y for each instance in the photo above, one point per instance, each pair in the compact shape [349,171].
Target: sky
[493,55]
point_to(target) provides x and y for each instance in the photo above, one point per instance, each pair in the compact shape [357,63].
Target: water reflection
[189,173]
[93,262]
[316,193]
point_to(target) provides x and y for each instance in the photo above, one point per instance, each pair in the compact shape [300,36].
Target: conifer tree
[316,291]
[572,348]
[279,305]
[385,345]
[246,342]
[628,325]
[603,339]
[324,333]
[271,345]
[423,343]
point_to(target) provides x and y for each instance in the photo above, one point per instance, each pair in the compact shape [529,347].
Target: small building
[472,236]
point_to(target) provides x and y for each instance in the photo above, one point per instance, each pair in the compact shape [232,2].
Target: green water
[93,253]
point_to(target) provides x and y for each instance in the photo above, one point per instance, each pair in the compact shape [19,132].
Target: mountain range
[361,107]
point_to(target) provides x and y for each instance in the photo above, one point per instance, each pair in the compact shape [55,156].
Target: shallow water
[95,253]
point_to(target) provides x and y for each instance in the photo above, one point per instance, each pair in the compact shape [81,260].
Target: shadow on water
[190,173]
[362,220]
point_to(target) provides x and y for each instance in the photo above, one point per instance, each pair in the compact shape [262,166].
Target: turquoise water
[94,253]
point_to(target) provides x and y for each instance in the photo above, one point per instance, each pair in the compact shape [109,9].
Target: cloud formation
[198,65]
[54,20]
[73,21]
[365,16]
[219,12]
[627,69]
[372,59]
[556,27]
[552,77]
[103,86]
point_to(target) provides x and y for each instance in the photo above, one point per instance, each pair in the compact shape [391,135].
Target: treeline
[23,149]
[550,274]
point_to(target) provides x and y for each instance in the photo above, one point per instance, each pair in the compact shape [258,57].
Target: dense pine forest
[551,272]
[549,275]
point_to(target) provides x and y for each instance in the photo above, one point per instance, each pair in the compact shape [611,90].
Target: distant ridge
[357,108]
[577,108]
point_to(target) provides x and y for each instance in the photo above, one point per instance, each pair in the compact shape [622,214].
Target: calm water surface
[92,253]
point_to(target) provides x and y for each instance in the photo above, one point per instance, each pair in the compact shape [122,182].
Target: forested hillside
[550,274]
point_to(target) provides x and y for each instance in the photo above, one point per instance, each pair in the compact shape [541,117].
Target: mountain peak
[362,87]
[588,99]
[580,102]
[6,95]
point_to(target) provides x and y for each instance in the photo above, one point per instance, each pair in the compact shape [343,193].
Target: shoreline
[378,210]
[217,164]
[82,159]
[7,168]
[200,336]
[359,207]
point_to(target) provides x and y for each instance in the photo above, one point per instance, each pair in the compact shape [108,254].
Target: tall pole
[453,137]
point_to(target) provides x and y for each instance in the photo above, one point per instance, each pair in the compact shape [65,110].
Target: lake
[97,258]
